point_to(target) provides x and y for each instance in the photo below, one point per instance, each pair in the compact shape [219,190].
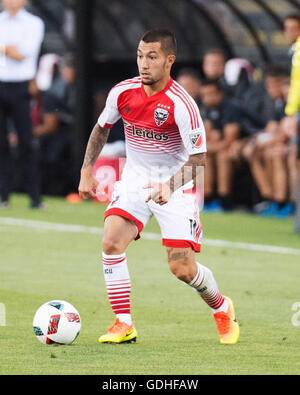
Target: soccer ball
[56,322]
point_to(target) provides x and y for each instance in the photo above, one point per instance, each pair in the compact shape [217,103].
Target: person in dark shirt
[267,164]
[281,158]
[264,99]
[222,119]
[214,63]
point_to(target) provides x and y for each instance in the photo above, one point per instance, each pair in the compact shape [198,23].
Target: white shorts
[178,219]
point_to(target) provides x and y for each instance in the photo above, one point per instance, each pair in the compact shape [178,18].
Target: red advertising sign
[107,171]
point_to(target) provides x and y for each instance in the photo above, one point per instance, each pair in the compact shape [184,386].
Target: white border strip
[51,226]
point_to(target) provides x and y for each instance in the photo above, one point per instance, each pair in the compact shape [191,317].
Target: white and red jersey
[161,130]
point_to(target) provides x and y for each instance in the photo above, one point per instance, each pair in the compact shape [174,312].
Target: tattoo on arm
[175,256]
[188,172]
[96,142]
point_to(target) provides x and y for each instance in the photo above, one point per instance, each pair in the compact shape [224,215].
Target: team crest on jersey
[160,116]
[196,139]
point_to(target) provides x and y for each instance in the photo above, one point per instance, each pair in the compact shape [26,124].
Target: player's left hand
[161,193]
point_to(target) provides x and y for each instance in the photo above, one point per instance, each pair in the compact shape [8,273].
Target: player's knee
[181,271]
[111,246]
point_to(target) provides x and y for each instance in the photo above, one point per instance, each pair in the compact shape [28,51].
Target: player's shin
[206,286]
[117,279]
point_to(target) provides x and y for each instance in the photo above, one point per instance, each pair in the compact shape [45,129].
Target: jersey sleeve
[110,115]
[293,103]
[191,128]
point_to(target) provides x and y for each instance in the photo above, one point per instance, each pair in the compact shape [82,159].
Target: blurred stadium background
[98,39]
[88,47]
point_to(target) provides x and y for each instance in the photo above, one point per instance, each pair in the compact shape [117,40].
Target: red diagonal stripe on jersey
[127,83]
[190,102]
[135,79]
[186,104]
[130,81]
[186,100]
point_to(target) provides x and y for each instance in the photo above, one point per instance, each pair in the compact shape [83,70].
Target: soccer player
[165,139]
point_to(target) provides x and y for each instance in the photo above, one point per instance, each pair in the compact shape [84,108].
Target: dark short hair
[189,71]
[212,82]
[294,15]
[275,70]
[163,36]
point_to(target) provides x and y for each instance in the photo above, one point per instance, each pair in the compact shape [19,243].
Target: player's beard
[149,82]
[153,81]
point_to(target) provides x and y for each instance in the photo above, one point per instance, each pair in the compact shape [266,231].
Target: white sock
[125,318]
[117,279]
[206,286]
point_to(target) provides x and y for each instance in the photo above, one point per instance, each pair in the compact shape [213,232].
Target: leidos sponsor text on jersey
[146,134]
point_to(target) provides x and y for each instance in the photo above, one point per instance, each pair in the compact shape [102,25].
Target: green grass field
[177,334]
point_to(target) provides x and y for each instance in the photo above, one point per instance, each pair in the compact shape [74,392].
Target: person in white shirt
[21,36]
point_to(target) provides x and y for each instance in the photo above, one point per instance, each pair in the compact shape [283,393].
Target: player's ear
[171,60]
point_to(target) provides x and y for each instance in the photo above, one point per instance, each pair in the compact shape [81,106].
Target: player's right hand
[89,187]
[160,194]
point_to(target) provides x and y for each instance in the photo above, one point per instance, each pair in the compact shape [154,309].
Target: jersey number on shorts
[195,229]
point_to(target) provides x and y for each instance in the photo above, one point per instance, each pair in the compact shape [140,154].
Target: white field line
[51,226]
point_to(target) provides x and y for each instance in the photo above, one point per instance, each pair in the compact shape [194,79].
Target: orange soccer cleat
[228,327]
[119,332]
